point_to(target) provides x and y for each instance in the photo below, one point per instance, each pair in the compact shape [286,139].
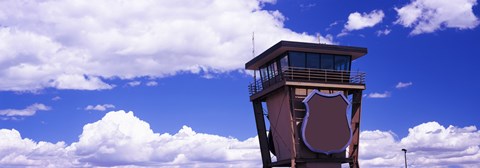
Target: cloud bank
[428,145]
[76,44]
[122,139]
[16,151]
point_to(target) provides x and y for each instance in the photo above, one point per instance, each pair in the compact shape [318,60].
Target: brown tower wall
[278,105]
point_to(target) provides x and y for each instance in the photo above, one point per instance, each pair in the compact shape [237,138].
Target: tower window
[342,62]
[327,62]
[313,60]
[297,59]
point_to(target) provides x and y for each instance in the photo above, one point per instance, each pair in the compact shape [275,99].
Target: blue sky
[69,68]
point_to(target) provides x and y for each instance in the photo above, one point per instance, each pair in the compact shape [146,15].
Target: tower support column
[355,125]
[262,133]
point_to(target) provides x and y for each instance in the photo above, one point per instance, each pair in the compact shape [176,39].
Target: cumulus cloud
[122,139]
[403,85]
[28,111]
[100,107]
[82,44]
[426,16]
[428,145]
[379,95]
[30,61]
[16,151]
[357,21]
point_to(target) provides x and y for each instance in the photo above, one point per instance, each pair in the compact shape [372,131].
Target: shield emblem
[325,127]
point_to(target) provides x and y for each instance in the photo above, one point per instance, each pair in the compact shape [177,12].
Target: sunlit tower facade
[300,83]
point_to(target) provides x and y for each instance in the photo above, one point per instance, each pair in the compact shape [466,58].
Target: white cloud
[379,95]
[31,61]
[343,33]
[403,85]
[428,145]
[307,6]
[79,82]
[152,83]
[379,148]
[331,25]
[18,152]
[134,83]
[383,32]
[56,98]
[122,139]
[357,21]
[100,107]
[426,16]
[28,111]
[81,44]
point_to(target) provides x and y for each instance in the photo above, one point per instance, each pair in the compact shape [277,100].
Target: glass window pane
[274,69]
[270,71]
[284,63]
[348,64]
[342,62]
[313,60]
[297,59]
[327,62]
[263,73]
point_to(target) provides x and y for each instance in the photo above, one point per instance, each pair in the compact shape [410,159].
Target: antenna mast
[318,37]
[253,44]
[253,55]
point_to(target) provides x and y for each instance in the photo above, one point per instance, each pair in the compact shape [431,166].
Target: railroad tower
[312,83]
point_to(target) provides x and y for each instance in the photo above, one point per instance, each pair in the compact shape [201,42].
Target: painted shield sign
[325,128]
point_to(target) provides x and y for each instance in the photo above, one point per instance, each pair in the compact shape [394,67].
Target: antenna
[318,37]
[253,55]
[253,44]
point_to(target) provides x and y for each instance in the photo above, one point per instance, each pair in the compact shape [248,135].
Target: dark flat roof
[283,46]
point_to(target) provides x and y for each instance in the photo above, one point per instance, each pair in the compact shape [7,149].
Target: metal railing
[255,87]
[324,75]
[310,75]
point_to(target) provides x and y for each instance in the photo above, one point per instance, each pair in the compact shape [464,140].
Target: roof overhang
[284,46]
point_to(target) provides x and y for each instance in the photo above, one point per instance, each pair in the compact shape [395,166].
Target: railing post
[341,76]
[309,74]
[293,73]
[325,75]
